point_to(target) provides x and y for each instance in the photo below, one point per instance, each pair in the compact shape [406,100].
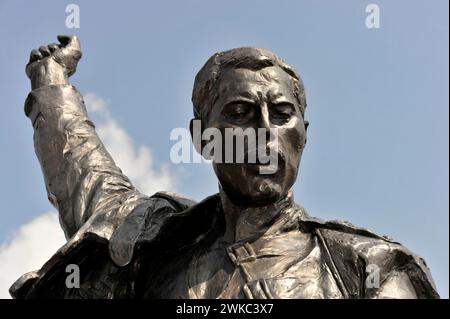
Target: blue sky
[378,102]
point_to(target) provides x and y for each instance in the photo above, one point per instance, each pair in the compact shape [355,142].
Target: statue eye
[239,111]
[282,112]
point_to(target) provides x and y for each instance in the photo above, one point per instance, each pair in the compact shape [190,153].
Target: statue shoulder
[357,252]
[100,248]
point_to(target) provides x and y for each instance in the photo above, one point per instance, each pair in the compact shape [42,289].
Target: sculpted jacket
[129,245]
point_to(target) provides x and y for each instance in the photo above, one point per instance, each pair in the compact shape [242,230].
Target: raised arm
[80,176]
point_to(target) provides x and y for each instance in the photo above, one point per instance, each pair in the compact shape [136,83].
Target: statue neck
[250,223]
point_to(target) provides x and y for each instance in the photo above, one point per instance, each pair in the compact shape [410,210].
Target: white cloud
[136,163]
[28,249]
[35,242]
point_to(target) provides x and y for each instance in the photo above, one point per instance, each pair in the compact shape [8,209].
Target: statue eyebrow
[240,101]
[274,96]
[280,98]
[242,97]
[247,95]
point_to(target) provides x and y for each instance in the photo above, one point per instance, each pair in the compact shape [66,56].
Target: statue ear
[306,130]
[196,134]
[213,141]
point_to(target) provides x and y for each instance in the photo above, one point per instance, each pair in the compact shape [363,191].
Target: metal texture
[248,241]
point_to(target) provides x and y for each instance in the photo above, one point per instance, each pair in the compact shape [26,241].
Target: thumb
[69,41]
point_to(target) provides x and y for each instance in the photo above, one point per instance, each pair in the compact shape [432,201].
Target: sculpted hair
[205,90]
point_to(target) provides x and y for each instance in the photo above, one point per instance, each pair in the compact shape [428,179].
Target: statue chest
[290,265]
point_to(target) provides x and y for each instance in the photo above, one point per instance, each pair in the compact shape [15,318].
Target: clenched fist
[54,63]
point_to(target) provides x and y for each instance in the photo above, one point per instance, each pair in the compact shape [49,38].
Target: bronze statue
[248,241]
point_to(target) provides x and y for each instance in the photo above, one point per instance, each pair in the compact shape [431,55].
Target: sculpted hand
[54,63]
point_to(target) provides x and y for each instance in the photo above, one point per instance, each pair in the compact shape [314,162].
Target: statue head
[251,88]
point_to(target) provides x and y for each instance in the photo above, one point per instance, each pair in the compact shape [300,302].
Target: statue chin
[246,188]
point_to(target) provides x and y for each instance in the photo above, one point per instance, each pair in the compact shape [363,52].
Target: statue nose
[266,125]
[265,117]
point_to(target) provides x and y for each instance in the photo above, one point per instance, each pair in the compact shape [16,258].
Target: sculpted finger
[69,41]
[53,47]
[64,39]
[35,55]
[44,51]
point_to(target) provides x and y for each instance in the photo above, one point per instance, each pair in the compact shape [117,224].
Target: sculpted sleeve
[80,176]
[93,198]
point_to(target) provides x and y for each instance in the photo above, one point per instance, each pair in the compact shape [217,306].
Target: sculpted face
[258,99]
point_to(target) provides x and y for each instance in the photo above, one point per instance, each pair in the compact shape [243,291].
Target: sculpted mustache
[268,152]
